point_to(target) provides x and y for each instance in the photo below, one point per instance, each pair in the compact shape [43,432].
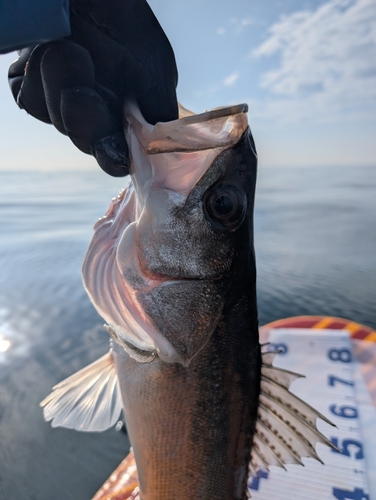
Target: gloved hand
[117,50]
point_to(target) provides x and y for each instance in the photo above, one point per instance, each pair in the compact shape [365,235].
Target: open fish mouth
[155,269]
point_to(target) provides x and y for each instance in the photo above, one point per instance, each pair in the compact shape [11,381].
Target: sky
[306,68]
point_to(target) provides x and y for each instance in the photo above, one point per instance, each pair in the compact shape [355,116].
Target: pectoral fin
[89,400]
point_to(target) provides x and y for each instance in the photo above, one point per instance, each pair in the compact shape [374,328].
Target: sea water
[315,238]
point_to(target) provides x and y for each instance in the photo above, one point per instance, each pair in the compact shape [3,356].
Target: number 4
[357,494]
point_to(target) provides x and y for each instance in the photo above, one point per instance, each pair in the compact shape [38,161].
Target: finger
[91,128]
[64,65]
[112,155]
[26,83]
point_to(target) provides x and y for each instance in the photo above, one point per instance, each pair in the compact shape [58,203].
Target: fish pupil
[223,205]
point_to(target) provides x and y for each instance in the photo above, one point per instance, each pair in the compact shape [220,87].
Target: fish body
[190,412]
[171,268]
[191,427]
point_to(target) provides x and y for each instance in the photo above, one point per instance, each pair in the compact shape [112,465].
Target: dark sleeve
[28,22]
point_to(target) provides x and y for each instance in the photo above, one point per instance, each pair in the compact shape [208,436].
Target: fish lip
[159,278]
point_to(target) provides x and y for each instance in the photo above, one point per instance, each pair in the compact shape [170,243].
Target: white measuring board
[325,358]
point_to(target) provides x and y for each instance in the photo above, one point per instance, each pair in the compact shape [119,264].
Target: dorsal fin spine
[285,429]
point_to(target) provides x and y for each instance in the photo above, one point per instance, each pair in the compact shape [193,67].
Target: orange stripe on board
[371,337]
[323,323]
[352,327]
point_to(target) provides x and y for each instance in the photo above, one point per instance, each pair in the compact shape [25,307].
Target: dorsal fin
[286,426]
[89,400]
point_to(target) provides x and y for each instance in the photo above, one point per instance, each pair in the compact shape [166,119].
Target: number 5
[345,447]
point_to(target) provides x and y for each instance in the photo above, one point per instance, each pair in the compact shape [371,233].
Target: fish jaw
[169,309]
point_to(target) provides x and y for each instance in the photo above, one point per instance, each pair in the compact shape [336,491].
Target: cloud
[327,59]
[235,26]
[220,31]
[238,25]
[230,80]
[246,21]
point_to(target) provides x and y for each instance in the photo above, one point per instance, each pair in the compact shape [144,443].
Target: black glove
[117,51]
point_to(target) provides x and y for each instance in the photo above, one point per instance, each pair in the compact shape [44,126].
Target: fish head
[161,262]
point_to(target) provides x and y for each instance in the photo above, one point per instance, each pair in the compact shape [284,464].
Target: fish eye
[225,206]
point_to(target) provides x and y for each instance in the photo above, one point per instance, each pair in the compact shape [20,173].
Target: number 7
[332,379]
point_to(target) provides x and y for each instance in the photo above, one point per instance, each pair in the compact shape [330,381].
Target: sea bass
[171,269]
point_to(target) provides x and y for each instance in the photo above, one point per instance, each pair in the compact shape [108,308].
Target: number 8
[343,355]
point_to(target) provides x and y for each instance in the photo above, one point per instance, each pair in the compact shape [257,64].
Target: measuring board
[325,358]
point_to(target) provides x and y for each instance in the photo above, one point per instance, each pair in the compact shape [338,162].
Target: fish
[171,269]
